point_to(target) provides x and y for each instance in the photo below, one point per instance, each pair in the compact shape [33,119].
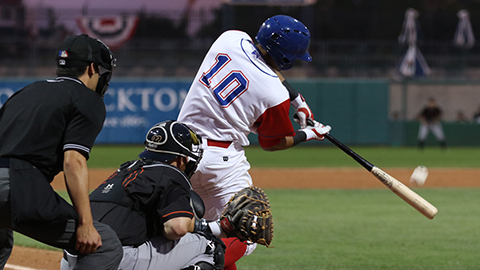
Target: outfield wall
[452,96]
[359,111]
[408,98]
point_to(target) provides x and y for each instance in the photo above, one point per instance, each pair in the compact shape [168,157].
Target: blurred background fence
[349,38]
[175,57]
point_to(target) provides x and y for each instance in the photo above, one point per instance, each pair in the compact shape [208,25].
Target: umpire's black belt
[4,162]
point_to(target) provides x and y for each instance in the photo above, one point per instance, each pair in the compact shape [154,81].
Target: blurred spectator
[461,117]
[430,118]
[476,116]
[395,116]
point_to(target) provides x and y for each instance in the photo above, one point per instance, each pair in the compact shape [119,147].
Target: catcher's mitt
[248,216]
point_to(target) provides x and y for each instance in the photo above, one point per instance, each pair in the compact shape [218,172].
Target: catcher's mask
[170,139]
[285,39]
[81,50]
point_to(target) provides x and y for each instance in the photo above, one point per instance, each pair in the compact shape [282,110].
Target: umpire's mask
[109,62]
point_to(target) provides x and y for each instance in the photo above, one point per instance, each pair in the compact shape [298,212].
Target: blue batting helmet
[285,39]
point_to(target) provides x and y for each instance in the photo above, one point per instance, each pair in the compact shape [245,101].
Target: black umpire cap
[81,50]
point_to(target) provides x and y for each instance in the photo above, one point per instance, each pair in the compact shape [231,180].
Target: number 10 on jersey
[230,87]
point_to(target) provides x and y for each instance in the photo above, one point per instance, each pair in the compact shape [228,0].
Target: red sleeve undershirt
[274,124]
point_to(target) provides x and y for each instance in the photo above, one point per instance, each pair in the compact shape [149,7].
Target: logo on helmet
[156,138]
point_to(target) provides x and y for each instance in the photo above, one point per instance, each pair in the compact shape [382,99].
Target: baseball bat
[408,195]
[393,184]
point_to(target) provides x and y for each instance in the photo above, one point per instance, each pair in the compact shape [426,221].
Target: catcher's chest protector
[112,189]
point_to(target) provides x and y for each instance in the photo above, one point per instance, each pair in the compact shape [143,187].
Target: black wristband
[291,91]
[201,225]
[300,136]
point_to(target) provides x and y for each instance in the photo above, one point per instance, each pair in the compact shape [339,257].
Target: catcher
[157,217]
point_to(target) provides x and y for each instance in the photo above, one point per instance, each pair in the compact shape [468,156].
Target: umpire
[47,127]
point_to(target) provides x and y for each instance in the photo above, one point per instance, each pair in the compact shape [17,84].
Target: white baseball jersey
[234,93]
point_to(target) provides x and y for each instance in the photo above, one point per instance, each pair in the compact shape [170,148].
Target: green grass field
[356,229]
[319,156]
[370,229]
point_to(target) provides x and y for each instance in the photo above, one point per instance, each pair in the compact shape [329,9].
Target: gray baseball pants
[435,128]
[160,253]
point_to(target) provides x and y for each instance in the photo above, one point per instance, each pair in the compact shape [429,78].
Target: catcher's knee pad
[200,266]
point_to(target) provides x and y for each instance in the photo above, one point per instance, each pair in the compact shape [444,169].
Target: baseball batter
[238,90]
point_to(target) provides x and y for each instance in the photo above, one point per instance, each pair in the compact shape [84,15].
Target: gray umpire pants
[60,234]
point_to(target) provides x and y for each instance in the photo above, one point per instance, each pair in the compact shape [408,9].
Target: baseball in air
[419,176]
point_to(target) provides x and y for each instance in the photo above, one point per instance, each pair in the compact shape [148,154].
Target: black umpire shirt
[44,119]
[156,192]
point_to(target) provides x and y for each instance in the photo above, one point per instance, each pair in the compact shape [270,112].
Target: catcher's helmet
[170,139]
[285,39]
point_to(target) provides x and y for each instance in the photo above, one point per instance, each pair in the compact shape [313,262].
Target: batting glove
[316,132]
[302,110]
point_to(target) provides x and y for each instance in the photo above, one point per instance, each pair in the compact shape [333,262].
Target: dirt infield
[309,178]
[350,178]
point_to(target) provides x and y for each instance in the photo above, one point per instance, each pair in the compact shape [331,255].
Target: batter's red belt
[222,144]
